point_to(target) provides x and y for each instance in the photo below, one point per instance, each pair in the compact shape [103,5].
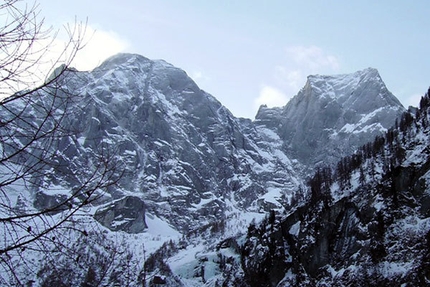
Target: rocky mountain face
[189,159]
[332,116]
[177,148]
[367,224]
[185,164]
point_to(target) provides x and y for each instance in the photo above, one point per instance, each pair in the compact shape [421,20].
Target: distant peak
[361,73]
[122,59]
[125,57]
[368,72]
[342,81]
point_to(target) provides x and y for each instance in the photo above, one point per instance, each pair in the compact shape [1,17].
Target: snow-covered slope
[333,115]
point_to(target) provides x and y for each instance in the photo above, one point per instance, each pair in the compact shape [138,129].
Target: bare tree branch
[35,110]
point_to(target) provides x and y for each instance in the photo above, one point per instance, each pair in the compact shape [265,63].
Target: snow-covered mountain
[366,224]
[332,116]
[192,177]
[185,155]
[179,151]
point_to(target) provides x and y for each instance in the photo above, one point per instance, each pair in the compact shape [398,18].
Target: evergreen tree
[362,177]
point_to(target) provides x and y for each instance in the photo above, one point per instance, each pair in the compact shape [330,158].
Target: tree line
[389,147]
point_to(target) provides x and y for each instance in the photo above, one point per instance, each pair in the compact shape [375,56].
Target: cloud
[289,79]
[201,79]
[411,100]
[312,58]
[271,97]
[301,62]
[99,45]
[290,74]
[48,53]
[199,76]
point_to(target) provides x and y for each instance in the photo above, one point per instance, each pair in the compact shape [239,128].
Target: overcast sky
[247,53]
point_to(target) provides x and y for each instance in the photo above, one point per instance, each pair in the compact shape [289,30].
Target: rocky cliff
[332,116]
[175,146]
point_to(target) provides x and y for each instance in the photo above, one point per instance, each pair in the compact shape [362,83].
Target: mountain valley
[329,190]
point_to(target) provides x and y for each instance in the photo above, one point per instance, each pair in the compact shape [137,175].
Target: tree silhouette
[33,127]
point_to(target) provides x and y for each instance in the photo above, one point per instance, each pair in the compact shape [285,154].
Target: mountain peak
[129,60]
[338,86]
[334,114]
[368,72]
[121,59]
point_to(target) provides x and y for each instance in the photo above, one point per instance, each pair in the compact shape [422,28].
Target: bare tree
[34,112]
[94,259]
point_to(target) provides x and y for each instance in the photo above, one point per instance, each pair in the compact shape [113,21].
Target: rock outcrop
[126,214]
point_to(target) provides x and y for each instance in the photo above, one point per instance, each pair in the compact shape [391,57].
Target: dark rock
[126,214]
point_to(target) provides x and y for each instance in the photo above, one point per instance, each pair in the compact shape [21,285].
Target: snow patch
[295,229]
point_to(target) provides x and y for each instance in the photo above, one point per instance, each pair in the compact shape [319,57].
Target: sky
[247,53]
